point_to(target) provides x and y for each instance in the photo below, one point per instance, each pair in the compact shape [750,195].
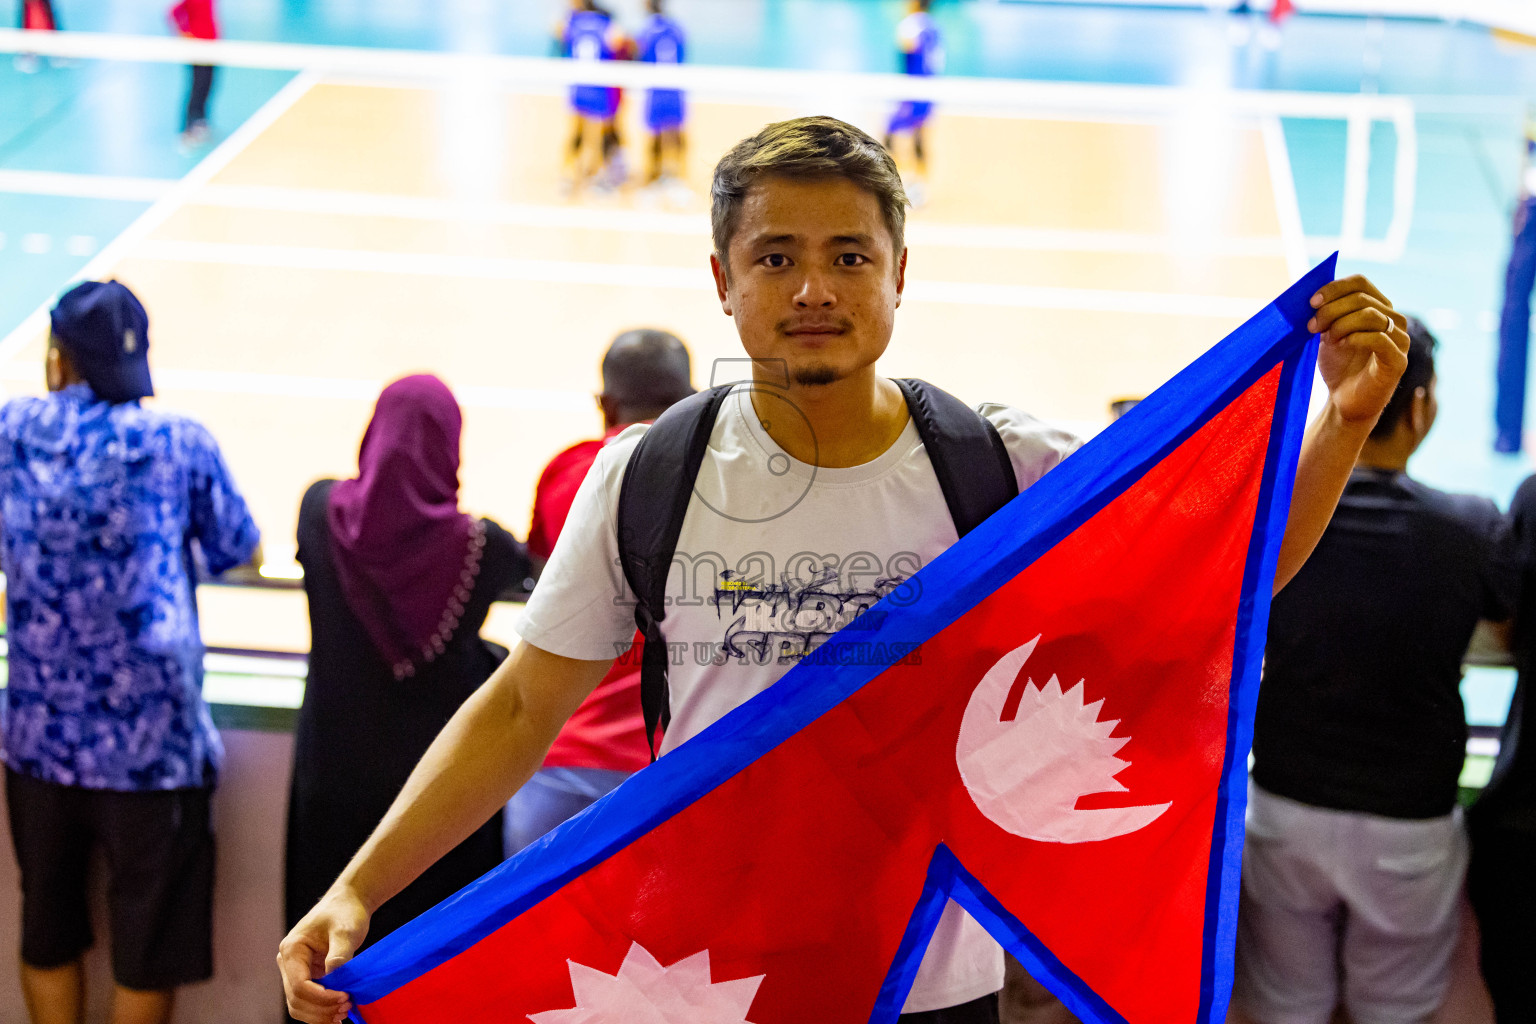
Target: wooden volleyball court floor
[355,231]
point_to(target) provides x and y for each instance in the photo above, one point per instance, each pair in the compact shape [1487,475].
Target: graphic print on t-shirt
[778,619]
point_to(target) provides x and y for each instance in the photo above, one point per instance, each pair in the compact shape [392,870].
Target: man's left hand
[1364,347]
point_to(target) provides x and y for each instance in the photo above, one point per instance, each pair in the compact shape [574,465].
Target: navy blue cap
[104,330]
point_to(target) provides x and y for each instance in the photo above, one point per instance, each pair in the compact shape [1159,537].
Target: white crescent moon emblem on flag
[1026,774]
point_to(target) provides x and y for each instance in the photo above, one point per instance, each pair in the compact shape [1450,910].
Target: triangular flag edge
[1056,505]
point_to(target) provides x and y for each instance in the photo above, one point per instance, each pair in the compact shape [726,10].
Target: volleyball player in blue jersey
[661,41]
[922,53]
[587,33]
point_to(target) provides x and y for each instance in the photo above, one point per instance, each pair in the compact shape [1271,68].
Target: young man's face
[814,278]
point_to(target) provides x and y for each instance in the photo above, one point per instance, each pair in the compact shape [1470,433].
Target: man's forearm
[1328,454]
[486,752]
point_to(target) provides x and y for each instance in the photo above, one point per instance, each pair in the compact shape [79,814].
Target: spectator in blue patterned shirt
[105,508]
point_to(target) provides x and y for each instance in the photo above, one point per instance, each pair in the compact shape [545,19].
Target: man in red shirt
[604,742]
[194,20]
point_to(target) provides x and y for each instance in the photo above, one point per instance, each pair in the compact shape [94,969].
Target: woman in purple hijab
[399,582]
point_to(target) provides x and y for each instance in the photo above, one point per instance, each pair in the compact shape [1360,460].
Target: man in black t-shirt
[1502,881]
[1355,854]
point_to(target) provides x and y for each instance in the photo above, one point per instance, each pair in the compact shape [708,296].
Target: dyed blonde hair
[805,148]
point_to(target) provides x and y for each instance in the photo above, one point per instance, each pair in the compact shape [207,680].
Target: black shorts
[159,853]
[977,1011]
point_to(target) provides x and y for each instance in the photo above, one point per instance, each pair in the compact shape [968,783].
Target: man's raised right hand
[322,941]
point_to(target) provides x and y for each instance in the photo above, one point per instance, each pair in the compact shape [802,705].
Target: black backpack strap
[653,499]
[968,455]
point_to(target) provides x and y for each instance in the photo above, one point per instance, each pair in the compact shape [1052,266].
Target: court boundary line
[546,90]
[83,186]
[961,108]
[171,200]
[681,278]
[432,209]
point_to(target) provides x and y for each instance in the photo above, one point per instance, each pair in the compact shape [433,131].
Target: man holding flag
[817,454]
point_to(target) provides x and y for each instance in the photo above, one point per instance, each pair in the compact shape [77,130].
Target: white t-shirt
[774,556]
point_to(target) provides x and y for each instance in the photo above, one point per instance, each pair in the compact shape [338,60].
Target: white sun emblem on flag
[644,992]
[1025,766]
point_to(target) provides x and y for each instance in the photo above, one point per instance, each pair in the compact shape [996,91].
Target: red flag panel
[799,875]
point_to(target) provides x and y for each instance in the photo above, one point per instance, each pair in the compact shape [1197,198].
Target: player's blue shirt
[586,36]
[922,48]
[660,40]
[100,505]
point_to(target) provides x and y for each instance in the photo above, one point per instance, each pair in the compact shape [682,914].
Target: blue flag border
[949,880]
[978,564]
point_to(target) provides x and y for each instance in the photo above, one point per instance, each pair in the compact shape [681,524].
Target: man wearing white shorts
[1353,868]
